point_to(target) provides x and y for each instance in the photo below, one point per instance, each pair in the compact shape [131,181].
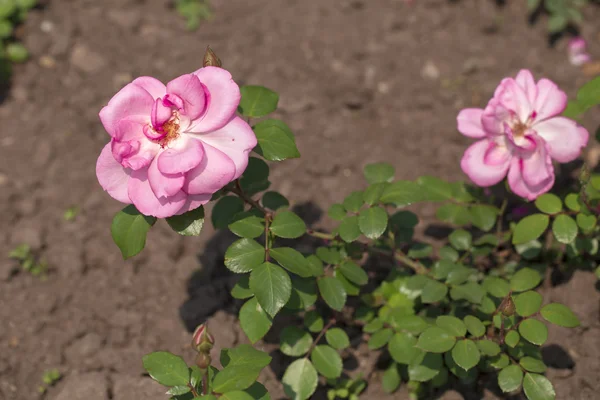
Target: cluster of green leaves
[194,11]
[345,388]
[12,12]
[561,12]
[236,381]
[28,260]
[49,378]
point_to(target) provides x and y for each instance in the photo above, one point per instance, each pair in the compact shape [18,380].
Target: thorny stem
[204,383]
[237,190]
[194,391]
[320,336]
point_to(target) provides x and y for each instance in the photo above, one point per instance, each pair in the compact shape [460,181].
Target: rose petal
[223,97]
[474,163]
[185,154]
[564,138]
[112,176]
[191,91]
[527,83]
[194,201]
[236,140]
[129,130]
[550,100]
[520,187]
[214,172]
[536,167]
[469,122]
[152,85]
[160,114]
[494,117]
[164,185]
[132,103]
[122,150]
[514,98]
[147,203]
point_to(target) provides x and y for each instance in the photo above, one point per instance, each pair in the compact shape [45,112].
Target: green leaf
[254,320]
[534,331]
[402,348]
[560,315]
[402,224]
[557,23]
[236,395]
[510,378]
[469,291]
[391,379]
[564,228]
[466,354]
[241,290]
[587,223]
[410,323]
[244,255]
[337,338]
[532,5]
[373,193]
[257,101]
[530,228]
[304,294]
[528,303]
[529,250]
[484,217]
[427,369]
[372,222]
[512,338]
[474,326]
[179,390]
[258,392]
[572,202]
[588,95]
[247,225]
[402,193]
[497,287]
[538,387]
[452,325]
[313,321]
[433,292]
[436,340]
[532,364]
[332,292]
[435,189]
[316,265]
[459,275]
[292,260]
[300,379]
[549,203]
[189,223]
[224,211]
[337,212]
[294,342]
[448,253]
[525,279]
[129,229]
[380,338]
[488,347]
[244,355]
[354,201]
[379,172]
[288,225]
[460,239]
[271,286]
[275,140]
[327,361]
[354,273]
[166,368]
[256,176]
[420,250]
[234,378]
[452,213]
[16,52]
[274,201]
[348,229]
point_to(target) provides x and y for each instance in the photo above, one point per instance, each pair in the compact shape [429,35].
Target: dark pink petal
[520,187]
[469,122]
[191,91]
[164,185]
[485,162]
[565,139]
[194,201]
[132,103]
[153,134]
[550,100]
[147,203]
[527,83]
[152,85]
[186,154]
[223,97]
[112,176]
[236,140]
[214,172]
[172,100]
[160,114]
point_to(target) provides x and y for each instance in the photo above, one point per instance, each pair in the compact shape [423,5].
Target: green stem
[320,336]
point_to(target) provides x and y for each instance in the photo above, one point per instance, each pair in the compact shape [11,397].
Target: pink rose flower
[173,146]
[577,49]
[521,133]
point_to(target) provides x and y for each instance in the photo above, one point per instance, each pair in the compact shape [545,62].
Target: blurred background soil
[359,81]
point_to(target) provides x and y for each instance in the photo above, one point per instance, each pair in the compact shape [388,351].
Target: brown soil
[360,81]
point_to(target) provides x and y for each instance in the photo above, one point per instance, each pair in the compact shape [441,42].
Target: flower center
[170,130]
[519,130]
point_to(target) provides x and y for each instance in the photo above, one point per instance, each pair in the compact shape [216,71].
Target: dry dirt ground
[360,81]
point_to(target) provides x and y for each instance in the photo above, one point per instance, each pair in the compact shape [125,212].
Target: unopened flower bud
[203,360]
[202,341]
[211,59]
[507,306]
